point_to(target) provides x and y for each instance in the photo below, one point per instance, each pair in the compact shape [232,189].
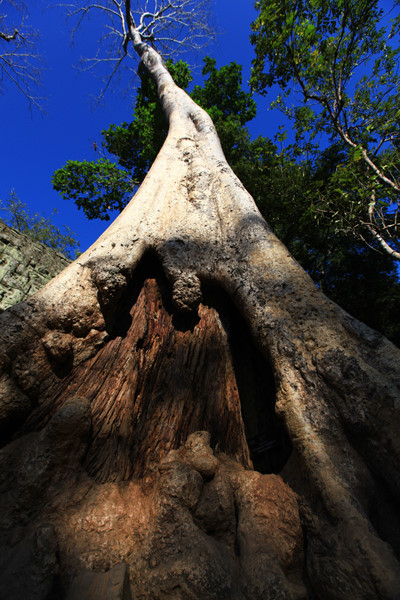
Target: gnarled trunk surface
[189,315]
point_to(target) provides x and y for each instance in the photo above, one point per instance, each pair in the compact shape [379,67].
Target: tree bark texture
[189,315]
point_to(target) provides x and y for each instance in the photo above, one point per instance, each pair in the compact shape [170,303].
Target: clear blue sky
[34,146]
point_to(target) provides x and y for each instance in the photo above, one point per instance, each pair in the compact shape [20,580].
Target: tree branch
[372,228]
[9,38]
[19,64]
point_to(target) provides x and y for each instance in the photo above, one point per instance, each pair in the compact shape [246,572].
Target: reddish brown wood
[153,386]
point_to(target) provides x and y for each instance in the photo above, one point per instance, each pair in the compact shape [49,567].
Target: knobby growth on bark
[188,315]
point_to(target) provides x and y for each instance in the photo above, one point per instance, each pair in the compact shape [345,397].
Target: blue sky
[34,146]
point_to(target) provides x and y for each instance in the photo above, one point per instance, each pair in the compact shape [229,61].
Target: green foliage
[96,187]
[342,58]
[222,95]
[38,227]
[229,106]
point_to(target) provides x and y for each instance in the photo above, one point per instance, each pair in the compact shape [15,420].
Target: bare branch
[374,230]
[20,64]
[171,27]
[383,244]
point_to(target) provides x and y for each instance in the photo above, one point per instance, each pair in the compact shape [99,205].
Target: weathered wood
[152,386]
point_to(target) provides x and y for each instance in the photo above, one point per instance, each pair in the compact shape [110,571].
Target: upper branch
[168,26]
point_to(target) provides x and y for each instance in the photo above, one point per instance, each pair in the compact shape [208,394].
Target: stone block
[25,266]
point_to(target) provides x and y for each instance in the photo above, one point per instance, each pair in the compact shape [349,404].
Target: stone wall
[25,266]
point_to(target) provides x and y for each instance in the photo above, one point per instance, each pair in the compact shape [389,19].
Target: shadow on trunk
[163,375]
[267,438]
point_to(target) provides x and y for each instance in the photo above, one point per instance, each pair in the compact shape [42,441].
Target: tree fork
[108,368]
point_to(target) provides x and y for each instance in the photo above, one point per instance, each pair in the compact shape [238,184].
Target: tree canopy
[342,59]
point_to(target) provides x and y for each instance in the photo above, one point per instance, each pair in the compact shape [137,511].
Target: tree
[38,227]
[189,314]
[338,56]
[20,64]
[290,193]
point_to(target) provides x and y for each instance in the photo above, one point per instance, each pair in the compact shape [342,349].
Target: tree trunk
[188,315]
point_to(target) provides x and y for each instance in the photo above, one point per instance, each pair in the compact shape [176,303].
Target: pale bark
[375,232]
[337,382]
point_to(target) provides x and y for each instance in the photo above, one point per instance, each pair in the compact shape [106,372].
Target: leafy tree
[344,61]
[97,186]
[38,227]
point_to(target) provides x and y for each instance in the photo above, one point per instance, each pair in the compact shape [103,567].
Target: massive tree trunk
[188,315]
